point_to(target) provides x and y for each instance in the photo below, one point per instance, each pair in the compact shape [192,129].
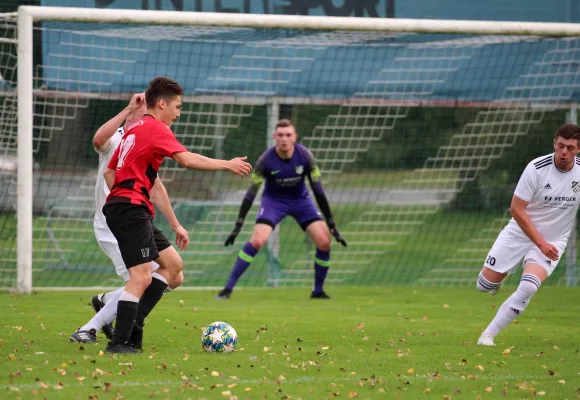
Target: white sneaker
[485,340]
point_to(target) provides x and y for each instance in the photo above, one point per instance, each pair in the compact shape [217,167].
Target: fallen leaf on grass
[352,395]
[506,352]
[215,373]
[479,367]
[489,389]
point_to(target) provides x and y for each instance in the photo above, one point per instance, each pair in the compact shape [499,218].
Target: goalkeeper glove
[235,232]
[335,232]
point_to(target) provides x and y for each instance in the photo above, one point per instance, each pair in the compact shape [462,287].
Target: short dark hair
[568,131]
[284,123]
[162,88]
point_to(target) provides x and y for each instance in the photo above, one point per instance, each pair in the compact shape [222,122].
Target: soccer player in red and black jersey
[131,174]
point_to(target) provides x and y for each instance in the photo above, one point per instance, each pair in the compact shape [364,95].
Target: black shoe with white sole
[89,336]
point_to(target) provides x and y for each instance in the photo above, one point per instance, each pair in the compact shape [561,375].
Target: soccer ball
[219,337]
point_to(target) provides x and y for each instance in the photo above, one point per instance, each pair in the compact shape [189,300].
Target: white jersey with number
[553,198]
[101,189]
[105,237]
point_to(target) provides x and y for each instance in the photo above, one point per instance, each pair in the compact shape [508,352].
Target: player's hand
[239,166]
[137,101]
[235,232]
[549,250]
[336,233]
[181,237]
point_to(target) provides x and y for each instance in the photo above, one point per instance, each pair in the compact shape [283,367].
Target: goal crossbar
[27,15]
[119,16]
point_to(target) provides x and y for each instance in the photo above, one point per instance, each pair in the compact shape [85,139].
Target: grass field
[366,343]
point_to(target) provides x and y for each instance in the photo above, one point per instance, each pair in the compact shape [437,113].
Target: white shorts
[109,245]
[509,251]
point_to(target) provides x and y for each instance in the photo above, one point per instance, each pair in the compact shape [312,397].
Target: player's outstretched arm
[518,210]
[237,166]
[101,140]
[160,198]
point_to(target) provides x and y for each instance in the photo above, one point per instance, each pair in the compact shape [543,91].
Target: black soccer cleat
[320,295]
[121,348]
[89,336]
[136,339]
[224,294]
[97,305]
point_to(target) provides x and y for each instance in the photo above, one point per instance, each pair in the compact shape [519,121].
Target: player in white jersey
[544,208]
[105,141]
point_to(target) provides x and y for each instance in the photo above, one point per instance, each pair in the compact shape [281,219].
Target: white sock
[157,275]
[483,285]
[126,296]
[106,315]
[106,297]
[515,305]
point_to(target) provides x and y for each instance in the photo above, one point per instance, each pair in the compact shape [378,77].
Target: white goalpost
[356,87]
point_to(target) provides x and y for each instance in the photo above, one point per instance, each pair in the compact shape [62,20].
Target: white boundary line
[206,383]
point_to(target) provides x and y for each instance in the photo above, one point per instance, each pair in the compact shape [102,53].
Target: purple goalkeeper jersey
[285,178]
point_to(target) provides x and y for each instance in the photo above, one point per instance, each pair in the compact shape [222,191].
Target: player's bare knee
[258,242]
[323,243]
[141,281]
[177,266]
[177,281]
[170,263]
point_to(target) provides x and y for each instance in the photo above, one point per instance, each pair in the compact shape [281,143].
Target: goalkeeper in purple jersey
[283,168]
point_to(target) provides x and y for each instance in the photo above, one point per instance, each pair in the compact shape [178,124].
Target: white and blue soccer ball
[219,337]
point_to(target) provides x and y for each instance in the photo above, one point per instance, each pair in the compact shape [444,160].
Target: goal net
[421,135]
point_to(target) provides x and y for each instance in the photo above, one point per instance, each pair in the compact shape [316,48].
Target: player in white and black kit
[544,208]
[105,142]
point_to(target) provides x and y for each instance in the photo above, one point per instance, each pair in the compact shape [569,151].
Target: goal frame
[27,15]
